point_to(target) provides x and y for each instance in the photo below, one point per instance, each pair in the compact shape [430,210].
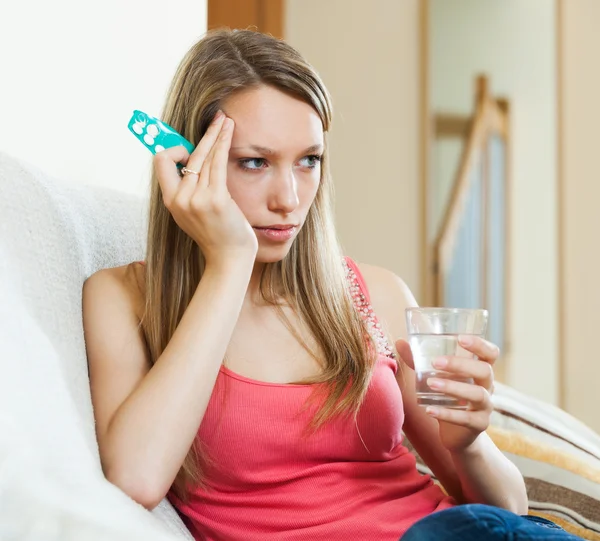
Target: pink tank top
[271,481]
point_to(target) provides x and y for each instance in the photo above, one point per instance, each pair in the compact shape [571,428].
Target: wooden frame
[449,125]
[445,239]
[265,16]
[561,275]
[491,117]
[425,156]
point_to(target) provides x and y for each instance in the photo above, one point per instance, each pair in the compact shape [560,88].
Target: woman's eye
[253,164]
[310,162]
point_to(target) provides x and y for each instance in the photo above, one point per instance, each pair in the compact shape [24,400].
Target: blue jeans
[475,522]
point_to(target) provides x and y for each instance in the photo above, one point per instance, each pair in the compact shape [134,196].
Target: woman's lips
[277,234]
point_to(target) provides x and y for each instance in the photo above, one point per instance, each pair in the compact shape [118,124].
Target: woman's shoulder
[389,295]
[126,282]
[383,283]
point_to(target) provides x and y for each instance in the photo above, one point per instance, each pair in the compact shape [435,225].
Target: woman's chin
[272,254]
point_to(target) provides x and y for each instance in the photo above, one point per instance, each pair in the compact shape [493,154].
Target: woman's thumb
[403,349]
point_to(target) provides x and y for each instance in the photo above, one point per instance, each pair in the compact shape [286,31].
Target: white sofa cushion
[53,235]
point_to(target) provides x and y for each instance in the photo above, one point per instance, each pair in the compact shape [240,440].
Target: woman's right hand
[200,204]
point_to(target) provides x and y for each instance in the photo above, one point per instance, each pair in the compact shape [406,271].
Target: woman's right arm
[148,416]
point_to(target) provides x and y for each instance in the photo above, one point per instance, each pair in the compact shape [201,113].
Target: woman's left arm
[482,473]
[453,443]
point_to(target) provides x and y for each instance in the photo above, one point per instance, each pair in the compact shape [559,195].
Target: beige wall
[73,72]
[367,54]
[580,194]
[468,37]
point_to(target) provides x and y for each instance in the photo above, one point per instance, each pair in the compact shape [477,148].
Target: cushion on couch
[52,237]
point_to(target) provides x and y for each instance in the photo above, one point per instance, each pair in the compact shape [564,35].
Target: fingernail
[465,340]
[436,383]
[219,114]
[440,362]
[432,410]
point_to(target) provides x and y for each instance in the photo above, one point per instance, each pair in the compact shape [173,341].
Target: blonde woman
[240,369]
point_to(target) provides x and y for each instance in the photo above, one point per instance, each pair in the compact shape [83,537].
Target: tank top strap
[362,302]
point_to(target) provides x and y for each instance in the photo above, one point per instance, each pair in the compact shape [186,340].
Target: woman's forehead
[271,119]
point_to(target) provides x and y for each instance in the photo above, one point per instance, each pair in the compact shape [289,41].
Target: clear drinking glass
[433,333]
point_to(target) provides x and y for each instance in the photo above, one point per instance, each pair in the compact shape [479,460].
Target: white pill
[148,140]
[137,128]
[159,148]
[152,130]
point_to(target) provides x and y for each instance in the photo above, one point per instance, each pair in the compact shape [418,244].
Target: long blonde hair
[311,279]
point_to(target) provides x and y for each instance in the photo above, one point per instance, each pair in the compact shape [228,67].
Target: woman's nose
[284,193]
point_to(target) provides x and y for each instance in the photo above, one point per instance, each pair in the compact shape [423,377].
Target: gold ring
[186,171]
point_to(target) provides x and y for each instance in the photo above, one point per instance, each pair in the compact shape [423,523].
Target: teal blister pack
[155,134]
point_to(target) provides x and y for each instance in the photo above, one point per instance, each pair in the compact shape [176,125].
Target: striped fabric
[558,456]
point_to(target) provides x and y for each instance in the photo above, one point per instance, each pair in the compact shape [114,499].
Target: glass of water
[433,333]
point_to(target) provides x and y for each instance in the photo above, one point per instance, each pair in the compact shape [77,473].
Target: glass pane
[463,280]
[496,241]
[445,161]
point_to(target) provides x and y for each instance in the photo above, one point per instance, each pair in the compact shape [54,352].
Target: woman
[241,370]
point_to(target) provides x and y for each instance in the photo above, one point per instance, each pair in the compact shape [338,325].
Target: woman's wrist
[474,450]
[239,263]
[487,476]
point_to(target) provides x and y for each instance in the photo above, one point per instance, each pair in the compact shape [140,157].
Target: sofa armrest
[167,515]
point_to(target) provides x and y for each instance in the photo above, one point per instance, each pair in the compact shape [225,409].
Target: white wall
[72,73]
[367,54]
[514,43]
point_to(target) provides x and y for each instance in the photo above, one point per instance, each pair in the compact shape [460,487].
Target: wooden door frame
[267,16]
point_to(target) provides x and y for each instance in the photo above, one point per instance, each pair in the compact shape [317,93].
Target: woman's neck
[254,295]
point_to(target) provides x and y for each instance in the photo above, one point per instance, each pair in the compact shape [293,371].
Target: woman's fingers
[476,395]
[204,178]
[481,371]
[201,152]
[218,165]
[166,171]
[481,348]
[199,159]
[214,170]
[485,351]
[215,163]
[478,421]
[172,185]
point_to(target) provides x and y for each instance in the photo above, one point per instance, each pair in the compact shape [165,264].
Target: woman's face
[274,165]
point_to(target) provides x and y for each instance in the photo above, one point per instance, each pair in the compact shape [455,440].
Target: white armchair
[54,235]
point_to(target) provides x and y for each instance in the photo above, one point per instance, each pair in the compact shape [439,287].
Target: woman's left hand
[460,428]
